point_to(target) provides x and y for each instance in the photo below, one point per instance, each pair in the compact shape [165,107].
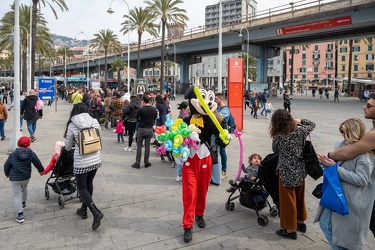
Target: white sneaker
[128,149]
[179,178]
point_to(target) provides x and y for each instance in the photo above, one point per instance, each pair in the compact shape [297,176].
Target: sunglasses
[368,105]
[342,132]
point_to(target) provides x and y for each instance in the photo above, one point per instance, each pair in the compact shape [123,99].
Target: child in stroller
[63,179]
[252,194]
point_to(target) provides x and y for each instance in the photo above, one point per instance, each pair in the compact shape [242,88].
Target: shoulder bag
[312,164]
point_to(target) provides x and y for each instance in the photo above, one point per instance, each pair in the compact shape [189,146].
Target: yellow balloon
[175,124]
[223,132]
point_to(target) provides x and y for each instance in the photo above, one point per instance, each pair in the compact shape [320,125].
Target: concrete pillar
[184,72]
[262,65]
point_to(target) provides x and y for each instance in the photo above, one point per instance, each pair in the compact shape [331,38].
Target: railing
[245,20]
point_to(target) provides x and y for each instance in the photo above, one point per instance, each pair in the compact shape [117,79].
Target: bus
[79,82]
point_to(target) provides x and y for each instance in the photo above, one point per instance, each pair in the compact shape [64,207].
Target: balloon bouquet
[176,137]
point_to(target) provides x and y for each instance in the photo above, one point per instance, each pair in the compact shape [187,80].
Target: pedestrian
[3,119]
[5,97]
[85,165]
[58,146]
[77,96]
[120,131]
[95,105]
[263,99]
[162,112]
[364,145]
[17,169]
[30,114]
[145,116]
[130,121]
[287,100]
[107,110]
[336,96]
[357,182]
[269,108]
[183,113]
[320,93]
[118,104]
[225,112]
[255,108]
[313,91]
[288,139]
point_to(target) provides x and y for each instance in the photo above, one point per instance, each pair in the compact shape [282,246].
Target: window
[316,56]
[356,48]
[355,75]
[370,57]
[369,75]
[342,67]
[316,70]
[329,65]
[329,75]
[290,61]
[303,62]
[329,47]
[316,76]
[295,76]
[369,48]
[316,47]
[344,42]
[355,68]
[303,56]
[369,66]
[302,70]
[303,76]
[343,50]
[329,56]
[343,58]
[356,57]
[343,75]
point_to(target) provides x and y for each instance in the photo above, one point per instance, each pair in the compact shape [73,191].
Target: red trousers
[196,177]
[292,205]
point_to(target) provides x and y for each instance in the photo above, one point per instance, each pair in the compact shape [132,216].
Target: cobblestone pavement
[143,208]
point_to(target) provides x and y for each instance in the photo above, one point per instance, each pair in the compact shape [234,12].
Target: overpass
[305,22]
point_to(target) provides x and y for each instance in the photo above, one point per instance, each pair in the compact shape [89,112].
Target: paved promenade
[142,207]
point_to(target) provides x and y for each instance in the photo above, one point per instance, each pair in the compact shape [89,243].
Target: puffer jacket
[28,108]
[18,164]
[78,123]
[131,110]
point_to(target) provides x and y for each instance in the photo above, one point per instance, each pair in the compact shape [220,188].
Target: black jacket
[131,110]
[28,109]
[18,164]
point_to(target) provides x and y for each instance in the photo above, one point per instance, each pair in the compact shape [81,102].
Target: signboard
[258,87]
[318,25]
[95,85]
[235,89]
[46,89]
[140,87]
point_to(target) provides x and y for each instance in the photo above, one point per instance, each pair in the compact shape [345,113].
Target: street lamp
[174,67]
[88,58]
[110,11]
[247,54]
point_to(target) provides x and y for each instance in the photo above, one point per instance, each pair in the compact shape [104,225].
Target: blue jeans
[264,108]
[325,224]
[223,156]
[2,123]
[31,127]
[120,137]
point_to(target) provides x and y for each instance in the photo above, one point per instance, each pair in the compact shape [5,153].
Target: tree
[141,20]
[167,11]
[64,52]
[36,3]
[117,65]
[43,41]
[252,66]
[108,40]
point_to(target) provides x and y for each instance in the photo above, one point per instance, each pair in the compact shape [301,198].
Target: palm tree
[141,20]
[252,66]
[167,11]
[108,40]
[43,41]
[117,65]
[37,6]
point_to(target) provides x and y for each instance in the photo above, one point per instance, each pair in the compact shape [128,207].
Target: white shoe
[128,149]
[114,131]
[179,178]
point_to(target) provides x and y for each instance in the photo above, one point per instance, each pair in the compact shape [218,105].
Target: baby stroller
[252,195]
[62,180]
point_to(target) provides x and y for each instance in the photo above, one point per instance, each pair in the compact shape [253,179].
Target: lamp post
[174,67]
[247,54]
[110,11]
[88,58]
[219,83]
[16,126]
[28,55]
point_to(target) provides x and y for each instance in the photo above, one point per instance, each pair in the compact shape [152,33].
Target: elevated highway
[303,23]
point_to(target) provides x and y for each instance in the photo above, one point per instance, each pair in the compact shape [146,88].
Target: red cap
[24,142]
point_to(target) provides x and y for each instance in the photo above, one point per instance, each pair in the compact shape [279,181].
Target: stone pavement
[143,208]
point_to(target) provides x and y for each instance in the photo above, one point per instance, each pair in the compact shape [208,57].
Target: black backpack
[94,103]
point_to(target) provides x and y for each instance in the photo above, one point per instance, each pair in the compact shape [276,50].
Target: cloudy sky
[90,16]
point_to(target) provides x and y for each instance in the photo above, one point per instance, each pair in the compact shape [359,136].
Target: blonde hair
[354,129]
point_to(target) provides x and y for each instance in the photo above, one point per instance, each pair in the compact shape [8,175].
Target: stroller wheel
[273,211]
[61,201]
[262,220]
[229,206]
[46,192]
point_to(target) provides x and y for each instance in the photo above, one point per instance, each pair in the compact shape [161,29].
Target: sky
[90,16]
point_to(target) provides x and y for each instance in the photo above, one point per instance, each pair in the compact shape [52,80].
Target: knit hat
[24,142]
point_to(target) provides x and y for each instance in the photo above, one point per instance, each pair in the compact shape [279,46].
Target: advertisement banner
[46,89]
[235,89]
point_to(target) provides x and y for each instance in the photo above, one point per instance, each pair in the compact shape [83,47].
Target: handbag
[312,164]
[318,191]
[214,154]
[333,197]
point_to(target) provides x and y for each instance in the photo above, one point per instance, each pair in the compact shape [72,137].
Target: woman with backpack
[95,105]
[85,165]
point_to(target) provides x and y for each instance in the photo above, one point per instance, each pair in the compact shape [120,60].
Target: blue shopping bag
[333,197]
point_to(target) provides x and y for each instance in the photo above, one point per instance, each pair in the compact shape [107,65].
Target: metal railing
[202,31]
